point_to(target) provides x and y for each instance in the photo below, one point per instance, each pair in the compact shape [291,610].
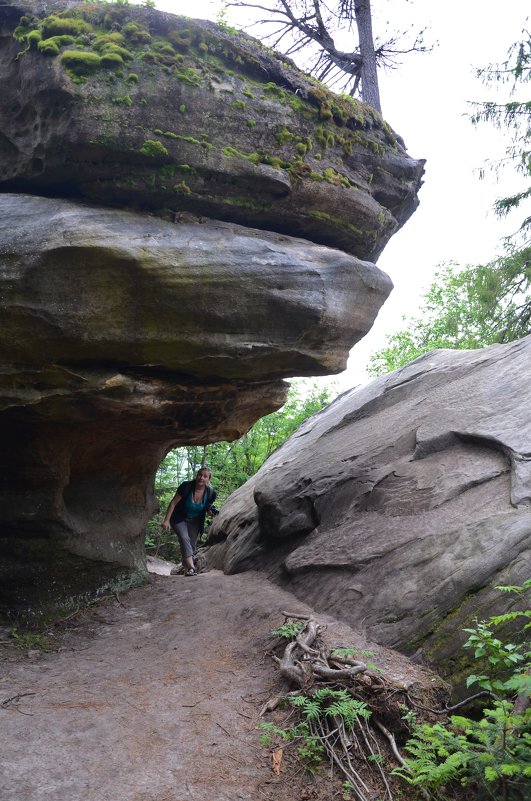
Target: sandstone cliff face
[154,173]
[402,505]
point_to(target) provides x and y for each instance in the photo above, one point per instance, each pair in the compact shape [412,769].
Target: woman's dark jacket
[179,513]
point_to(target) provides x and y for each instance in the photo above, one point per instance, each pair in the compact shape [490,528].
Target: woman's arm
[169,511]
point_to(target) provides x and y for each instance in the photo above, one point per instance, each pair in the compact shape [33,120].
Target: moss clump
[112,60]
[233,153]
[321,215]
[182,108]
[125,54]
[324,137]
[182,188]
[238,105]
[55,26]
[136,33]
[153,148]
[275,91]
[182,40]
[167,134]
[251,123]
[189,75]
[284,136]
[132,78]
[302,107]
[80,62]
[125,100]
[48,47]
[114,38]
[33,38]
[163,47]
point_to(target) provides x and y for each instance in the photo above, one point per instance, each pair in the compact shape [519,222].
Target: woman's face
[203,477]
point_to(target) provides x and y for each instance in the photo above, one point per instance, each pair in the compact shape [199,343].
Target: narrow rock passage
[154,697]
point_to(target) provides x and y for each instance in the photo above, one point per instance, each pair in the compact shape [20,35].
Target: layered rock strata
[155,172]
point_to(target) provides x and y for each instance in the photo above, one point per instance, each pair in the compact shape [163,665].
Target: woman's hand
[165,524]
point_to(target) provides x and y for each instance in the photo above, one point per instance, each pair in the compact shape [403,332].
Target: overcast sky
[426,100]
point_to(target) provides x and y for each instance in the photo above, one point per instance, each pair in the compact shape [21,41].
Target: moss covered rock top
[136,108]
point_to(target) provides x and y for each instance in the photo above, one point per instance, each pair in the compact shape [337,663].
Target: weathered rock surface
[210,300]
[151,168]
[124,335]
[178,114]
[403,504]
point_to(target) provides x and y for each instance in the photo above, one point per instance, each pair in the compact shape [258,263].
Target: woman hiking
[186,514]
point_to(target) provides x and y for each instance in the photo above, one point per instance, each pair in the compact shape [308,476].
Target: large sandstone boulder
[124,335]
[402,505]
[154,172]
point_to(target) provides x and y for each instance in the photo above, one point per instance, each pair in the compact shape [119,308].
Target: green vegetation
[465,309]
[475,306]
[152,147]
[490,753]
[27,640]
[321,215]
[514,117]
[289,630]
[232,463]
[80,62]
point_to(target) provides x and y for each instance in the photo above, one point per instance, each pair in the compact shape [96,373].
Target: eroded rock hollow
[185,220]
[402,505]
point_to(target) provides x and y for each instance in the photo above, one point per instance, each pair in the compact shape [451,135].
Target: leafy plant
[491,755]
[27,640]
[289,630]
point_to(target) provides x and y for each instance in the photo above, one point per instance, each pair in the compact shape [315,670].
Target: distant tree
[477,306]
[310,26]
[232,463]
[514,116]
[465,309]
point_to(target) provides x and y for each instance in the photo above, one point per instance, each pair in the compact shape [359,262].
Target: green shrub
[489,754]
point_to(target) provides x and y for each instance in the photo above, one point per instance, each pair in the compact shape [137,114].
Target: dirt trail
[153,698]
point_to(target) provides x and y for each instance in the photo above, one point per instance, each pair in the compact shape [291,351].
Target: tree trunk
[370,92]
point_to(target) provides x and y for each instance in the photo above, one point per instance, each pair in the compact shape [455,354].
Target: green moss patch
[153,148]
[80,62]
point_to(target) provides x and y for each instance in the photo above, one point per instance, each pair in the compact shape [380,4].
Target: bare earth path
[152,698]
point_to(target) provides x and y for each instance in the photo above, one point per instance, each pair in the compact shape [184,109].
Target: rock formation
[154,172]
[402,505]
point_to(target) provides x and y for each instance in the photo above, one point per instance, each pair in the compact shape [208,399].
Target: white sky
[426,101]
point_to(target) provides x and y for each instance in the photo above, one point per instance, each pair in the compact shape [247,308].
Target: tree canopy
[465,308]
[514,116]
[475,306]
[233,463]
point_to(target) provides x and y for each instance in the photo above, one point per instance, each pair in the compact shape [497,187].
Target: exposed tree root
[350,732]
